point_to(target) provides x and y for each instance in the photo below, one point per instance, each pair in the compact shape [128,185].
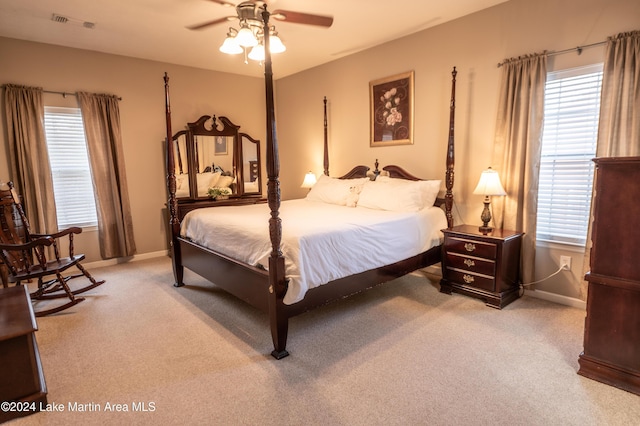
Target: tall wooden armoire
[612,327]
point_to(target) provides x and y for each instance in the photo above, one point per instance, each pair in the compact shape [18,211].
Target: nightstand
[481,265]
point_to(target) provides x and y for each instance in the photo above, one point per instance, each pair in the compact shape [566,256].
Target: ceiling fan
[251,13]
[252,16]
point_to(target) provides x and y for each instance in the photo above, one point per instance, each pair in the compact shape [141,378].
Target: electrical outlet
[565,262]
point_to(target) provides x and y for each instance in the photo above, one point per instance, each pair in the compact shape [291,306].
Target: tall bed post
[326,140]
[174,223]
[448,197]
[277,283]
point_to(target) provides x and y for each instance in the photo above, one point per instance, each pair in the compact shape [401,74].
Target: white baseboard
[545,295]
[134,258]
[557,298]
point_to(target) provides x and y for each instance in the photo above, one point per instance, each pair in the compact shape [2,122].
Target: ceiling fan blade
[224,3]
[210,23]
[229,4]
[302,18]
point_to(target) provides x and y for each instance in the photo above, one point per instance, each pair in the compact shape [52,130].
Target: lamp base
[485,229]
[485,217]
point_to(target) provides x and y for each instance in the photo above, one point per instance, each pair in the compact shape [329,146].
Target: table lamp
[309,181]
[488,185]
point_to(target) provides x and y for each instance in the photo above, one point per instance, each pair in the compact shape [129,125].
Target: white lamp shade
[257,53]
[231,46]
[489,184]
[309,180]
[245,37]
[275,44]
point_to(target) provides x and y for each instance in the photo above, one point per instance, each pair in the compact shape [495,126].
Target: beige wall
[194,92]
[475,45]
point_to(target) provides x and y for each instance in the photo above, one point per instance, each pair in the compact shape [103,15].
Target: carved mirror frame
[214,144]
[250,178]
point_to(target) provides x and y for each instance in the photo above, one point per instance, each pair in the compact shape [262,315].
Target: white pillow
[430,191]
[430,188]
[205,181]
[399,194]
[334,191]
[214,179]
[224,181]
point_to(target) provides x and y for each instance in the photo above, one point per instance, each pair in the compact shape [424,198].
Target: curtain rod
[65,94]
[578,49]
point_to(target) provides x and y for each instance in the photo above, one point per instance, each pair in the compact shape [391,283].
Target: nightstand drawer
[471,264]
[483,282]
[471,247]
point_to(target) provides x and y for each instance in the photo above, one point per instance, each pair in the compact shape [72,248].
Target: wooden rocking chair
[24,257]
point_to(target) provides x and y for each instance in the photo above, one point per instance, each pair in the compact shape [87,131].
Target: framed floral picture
[391,101]
[221,145]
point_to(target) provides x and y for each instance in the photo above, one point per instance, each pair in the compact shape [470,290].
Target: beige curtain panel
[619,126]
[31,172]
[101,117]
[619,123]
[517,147]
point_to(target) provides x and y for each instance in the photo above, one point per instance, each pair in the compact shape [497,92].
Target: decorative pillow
[334,191]
[202,182]
[224,181]
[214,179]
[399,194]
[207,180]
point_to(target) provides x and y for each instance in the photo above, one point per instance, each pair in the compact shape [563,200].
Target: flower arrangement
[219,193]
[391,103]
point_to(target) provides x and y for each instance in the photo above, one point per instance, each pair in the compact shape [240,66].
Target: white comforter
[321,242]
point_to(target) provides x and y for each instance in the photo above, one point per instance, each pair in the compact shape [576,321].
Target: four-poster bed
[265,285]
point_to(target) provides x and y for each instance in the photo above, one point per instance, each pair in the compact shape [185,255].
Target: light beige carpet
[400,354]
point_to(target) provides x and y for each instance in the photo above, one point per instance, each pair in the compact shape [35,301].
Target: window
[72,186]
[571,110]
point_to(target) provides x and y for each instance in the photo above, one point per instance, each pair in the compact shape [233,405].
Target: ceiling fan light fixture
[231,46]
[253,20]
[246,38]
[257,53]
[275,44]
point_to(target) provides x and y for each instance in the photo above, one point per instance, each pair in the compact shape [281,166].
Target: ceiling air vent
[59,18]
[65,19]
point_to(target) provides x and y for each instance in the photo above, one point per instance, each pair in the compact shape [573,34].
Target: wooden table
[22,387]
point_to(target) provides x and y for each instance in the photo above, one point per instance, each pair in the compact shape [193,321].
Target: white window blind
[72,187]
[571,111]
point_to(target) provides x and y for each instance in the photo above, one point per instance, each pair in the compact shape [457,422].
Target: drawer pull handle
[470,247]
[469,263]
[468,278]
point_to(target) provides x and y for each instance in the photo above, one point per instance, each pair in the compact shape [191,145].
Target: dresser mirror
[212,153]
[181,162]
[250,154]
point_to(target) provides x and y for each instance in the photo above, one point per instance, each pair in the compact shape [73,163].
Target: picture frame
[391,110]
[220,146]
